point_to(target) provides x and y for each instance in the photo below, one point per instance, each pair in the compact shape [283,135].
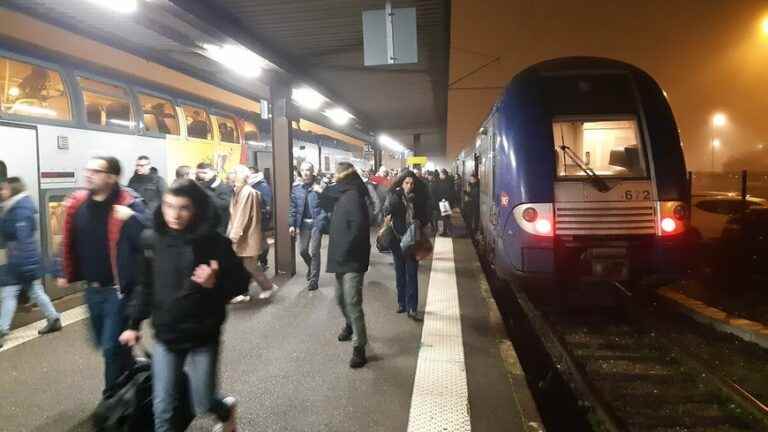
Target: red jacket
[115,225]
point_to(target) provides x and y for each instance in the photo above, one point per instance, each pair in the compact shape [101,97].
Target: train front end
[614,208]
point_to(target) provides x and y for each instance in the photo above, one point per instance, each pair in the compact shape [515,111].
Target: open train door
[19,158]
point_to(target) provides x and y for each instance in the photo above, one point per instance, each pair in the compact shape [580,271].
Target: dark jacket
[300,193]
[442,189]
[221,194]
[349,245]
[395,207]
[123,237]
[150,186]
[259,183]
[184,314]
[18,227]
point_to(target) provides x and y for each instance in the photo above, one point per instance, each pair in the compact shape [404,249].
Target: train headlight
[530,214]
[535,218]
[670,217]
[668,225]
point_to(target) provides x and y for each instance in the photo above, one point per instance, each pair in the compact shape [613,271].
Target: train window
[227,129]
[198,122]
[33,91]
[610,148]
[159,115]
[251,133]
[106,105]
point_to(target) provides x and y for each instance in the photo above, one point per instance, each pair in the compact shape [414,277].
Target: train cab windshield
[603,148]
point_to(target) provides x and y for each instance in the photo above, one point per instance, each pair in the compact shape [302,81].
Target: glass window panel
[33,91]
[159,115]
[252,134]
[106,104]
[227,129]
[198,122]
[610,148]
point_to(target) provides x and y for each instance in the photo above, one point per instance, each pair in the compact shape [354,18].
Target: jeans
[36,292]
[406,279]
[349,296]
[200,365]
[310,241]
[108,320]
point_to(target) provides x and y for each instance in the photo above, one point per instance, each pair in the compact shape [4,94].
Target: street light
[718,121]
[764,26]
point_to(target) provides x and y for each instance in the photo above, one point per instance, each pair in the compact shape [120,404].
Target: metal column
[282,177]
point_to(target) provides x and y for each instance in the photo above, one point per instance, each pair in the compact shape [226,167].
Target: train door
[18,158]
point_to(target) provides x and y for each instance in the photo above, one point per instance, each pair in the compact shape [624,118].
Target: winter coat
[349,245]
[303,192]
[244,228]
[441,190]
[395,207]
[18,227]
[258,182]
[150,186]
[122,235]
[185,314]
[221,194]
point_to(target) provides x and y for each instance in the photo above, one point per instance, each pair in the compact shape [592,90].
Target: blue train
[582,175]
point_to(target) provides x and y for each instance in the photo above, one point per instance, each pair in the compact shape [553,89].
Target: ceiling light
[14,91]
[391,144]
[242,61]
[340,116]
[122,6]
[307,97]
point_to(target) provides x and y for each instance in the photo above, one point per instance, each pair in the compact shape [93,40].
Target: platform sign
[416,160]
[390,38]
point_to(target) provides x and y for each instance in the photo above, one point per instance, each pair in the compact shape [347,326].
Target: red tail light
[670,217]
[543,227]
[668,225]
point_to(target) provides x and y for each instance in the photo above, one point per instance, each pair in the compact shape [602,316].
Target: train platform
[455,371]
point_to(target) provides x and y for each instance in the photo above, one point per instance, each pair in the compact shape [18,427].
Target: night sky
[708,55]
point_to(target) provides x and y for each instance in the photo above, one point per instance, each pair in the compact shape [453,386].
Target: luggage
[445,208]
[127,407]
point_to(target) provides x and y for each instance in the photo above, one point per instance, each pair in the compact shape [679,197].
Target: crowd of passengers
[179,254]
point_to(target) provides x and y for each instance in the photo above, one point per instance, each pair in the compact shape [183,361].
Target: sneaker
[231,424]
[415,316]
[312,286]
[52,326]
[345,334]
[241,299]
[265,294]
[358,359]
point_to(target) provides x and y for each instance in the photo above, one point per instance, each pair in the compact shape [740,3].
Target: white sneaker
[240,299]
[231,424]
[265,294]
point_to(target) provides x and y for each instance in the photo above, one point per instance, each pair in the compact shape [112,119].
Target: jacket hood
[205,224]
[255,178]
[350,179]
[18,202]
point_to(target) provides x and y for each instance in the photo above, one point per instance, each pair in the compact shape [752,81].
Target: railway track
[628,374]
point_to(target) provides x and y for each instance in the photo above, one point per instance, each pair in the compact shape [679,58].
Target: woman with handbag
[24,268]
[407,211]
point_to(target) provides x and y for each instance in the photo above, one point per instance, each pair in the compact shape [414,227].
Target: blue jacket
[303,192]
[265,190]
[18,227]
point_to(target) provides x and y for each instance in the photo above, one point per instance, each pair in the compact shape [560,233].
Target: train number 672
[637,195]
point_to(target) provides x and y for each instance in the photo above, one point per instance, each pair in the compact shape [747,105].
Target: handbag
[409,238]
[445,208]
[385,236]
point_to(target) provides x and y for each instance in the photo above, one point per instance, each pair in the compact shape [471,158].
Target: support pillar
[282,177]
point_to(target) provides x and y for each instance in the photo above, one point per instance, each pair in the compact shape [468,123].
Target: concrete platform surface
[282,361]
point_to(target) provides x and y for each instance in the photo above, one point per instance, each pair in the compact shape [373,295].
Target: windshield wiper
[596,180]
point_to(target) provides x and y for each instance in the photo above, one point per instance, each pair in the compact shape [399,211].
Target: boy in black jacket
[190,275]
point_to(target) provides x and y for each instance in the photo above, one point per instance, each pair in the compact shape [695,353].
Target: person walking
[147,183]
[349,250]
[442,191]
[184,172]
[259,182]
[190,273]
[24,268]
[407,204]
[220,192]
[472,204]
[102,229]
[245,232]
[307,219]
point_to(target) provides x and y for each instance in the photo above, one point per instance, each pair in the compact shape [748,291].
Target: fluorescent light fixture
[391,144]
[122,6]
[308,97]
[340,116]
[242,61]
[14,91]
[123,123]
[32,110]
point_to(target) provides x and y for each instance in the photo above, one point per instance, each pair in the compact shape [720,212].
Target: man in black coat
[349,249]
[219,191]
[147,183]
